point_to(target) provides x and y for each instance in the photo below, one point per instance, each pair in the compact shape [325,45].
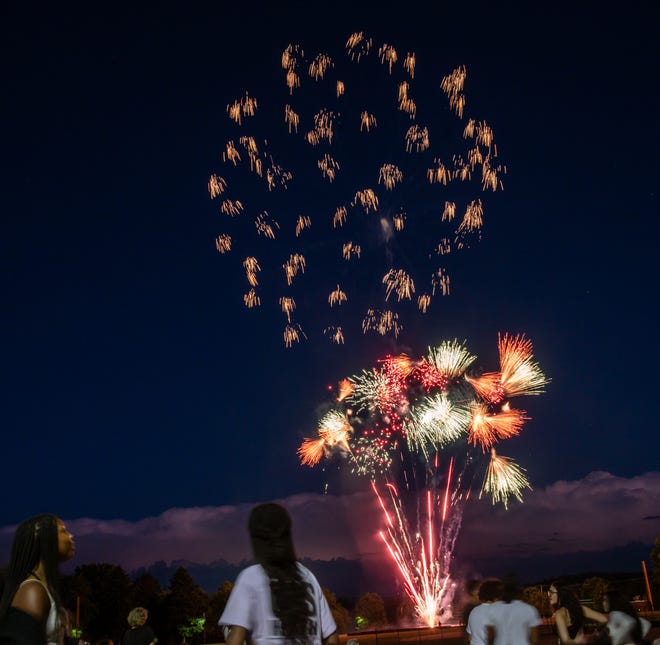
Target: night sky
[133,378]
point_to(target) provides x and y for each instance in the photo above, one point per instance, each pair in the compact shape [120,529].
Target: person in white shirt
[480,623]
[514,622]
[624,625]
[277,600]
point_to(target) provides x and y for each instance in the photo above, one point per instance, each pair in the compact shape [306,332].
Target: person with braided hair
[277,600]
[31,611]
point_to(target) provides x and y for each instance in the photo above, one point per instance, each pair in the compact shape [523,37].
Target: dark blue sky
[133,383]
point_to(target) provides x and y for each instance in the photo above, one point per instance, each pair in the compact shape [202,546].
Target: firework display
[345,191]
[424,432]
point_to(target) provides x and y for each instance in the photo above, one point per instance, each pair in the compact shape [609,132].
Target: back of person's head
[510,588]
[137,617]
[269,526]
[270,531]
[490,590]
[472,586]
[623,628]
[35,541]
[614,600]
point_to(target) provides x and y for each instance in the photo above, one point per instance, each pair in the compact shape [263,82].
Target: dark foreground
[456,635]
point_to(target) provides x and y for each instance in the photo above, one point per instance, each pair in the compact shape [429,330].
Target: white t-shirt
[513,621]
[620,627]
[477,622]
[250,606]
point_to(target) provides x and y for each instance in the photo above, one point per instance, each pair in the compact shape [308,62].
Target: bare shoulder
[32,598]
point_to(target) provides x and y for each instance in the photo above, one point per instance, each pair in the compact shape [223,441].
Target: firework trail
[362,177]
[420,430]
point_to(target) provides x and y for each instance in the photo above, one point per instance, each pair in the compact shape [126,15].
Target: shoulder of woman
[32,598]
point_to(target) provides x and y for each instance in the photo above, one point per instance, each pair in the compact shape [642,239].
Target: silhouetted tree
[594,588]
[217,604]
[145,592]
[654,581]
[538,597]
[370,610]
[104,595]
[184,602]
[340,614]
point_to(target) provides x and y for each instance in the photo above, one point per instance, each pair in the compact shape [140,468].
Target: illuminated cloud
[563,525]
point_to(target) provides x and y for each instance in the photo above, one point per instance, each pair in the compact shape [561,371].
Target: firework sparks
[303,222]
[388,55]
[440,281]
[423,302]
[287,304]
[231,207]
[504,479]
[390,175]
[223,243]
[358,45]
[452,85]
[292,334]
[217,186]
[328,167]
[311,451]
[339,218]
[337,297]
[319,66]
[422,449]
[231,153]
[400,282]
[487,428]
[409,64]
[251,299]
[417,138]
[520,374]
[367,199]
[439,174]
[294,265]
[336,103]
[451,358]
[291,118]
[251,266]
[264,227]
[449,212]
[436,422]
[382,322]
[367,121]
[335,334]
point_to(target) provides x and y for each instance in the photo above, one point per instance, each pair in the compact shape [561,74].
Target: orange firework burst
[486,428]
[520,374]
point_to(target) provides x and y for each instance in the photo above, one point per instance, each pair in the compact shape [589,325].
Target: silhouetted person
[570,615]
[624,625]
[479,626]
[31,612]
[277,600]
[138,633]
[514,622]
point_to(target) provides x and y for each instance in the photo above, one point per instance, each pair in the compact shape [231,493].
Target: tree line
[99,597]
